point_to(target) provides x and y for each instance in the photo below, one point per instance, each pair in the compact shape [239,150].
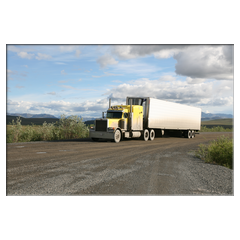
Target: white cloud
[220,101]
[199,94]
[135,51]
[212,62]
[52,93]
[92,108]
[12,48]
[167,78]
[195,61]
[9,74]
[68,87]
[25,55]
[195,80]
[123,52]
[42,56]
[166,53]
[136,67]
[63,72]
[106,60]
[15,75]
[214,96]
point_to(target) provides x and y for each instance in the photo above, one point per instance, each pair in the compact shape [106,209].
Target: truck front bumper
[99,134]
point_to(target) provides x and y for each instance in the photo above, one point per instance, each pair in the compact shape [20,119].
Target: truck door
[143,101]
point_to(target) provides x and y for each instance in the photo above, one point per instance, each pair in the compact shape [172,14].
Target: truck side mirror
[103,115]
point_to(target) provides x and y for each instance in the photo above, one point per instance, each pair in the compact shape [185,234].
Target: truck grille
[101,125]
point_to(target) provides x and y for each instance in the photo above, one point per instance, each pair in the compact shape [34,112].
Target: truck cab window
[114,114]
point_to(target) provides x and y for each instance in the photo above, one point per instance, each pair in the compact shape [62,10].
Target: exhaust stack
[131,116]
[109,102]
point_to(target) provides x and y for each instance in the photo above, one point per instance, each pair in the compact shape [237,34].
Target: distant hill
[212,116]
[29,115]
[29,121]
[89,122]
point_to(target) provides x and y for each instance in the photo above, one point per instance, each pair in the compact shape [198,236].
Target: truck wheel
[145,135]
[193,134]
[152,135]
[189,134]
[117,136]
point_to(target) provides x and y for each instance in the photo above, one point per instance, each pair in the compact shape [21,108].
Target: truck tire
[151,135]
[189,134]
[145,134]
[117,136]
[193,134]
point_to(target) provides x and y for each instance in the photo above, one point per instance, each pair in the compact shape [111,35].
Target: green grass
[217,125]
[215,129]
[220,122]
[219,151]
[66,128]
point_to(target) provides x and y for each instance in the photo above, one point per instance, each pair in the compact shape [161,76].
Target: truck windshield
[114,114]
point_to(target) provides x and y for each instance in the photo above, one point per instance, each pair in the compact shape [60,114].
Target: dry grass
[66,128]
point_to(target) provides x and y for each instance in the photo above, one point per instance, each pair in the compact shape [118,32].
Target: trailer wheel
[145,135]
[189,134]
[117,136]
[152,135]
[193,134]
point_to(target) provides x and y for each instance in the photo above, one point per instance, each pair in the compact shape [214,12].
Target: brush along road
[165,166]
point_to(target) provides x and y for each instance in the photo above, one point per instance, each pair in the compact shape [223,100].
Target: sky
[80,79]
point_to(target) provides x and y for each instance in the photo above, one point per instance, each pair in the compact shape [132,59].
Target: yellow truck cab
[122,121]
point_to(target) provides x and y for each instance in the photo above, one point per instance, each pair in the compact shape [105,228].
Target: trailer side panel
[168,115]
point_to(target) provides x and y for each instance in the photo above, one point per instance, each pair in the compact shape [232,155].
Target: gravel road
[165,166]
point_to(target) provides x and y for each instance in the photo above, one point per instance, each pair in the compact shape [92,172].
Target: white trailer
[168,116]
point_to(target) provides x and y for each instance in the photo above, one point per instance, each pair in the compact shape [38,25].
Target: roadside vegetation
[219,151]
[215,129]
[66,128]
[217,125]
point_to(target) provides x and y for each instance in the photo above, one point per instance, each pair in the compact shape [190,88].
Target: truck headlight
[111,129]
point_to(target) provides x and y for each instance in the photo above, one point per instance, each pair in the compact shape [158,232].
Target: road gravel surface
[165,166]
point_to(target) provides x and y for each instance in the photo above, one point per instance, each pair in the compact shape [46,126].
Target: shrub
[71,127]
[219,151]
[66,128]
[215,129]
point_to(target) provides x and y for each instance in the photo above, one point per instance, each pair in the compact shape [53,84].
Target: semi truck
[146,118]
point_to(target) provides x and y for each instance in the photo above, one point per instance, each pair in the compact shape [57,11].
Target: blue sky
[79,79]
